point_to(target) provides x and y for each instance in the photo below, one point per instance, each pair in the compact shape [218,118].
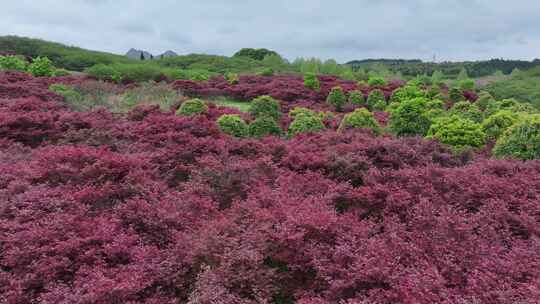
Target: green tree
[12,63]
[406,92]
[304,123]
[376,81]
[256,54]
[495,125]
[41,67]
[264,126]
[312,82]
[455,94]
[360,118]
[521,140]
[467,84]
[468,110]
[233,125]
[265,106]
[347,74]
[336,98]
[462,74]
[357,98]
[330,67]
[458,132]
[192,107]
[410,117]
[274,61]
[232,78]
[374,97]
[437,77]
[484,98]
[104,72]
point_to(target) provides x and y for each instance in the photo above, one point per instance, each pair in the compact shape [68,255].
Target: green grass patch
[230,103]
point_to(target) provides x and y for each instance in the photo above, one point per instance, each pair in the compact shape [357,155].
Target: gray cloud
[342,29]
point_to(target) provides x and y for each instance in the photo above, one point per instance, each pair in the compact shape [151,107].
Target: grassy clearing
[230,103]
[94,94]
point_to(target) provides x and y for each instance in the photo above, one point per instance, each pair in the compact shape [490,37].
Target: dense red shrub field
[151,207]
[289,88]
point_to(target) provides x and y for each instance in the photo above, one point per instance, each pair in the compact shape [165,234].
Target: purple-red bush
[151,207]
[288,88]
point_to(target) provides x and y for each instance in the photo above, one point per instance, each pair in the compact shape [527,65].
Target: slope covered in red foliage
[158,208]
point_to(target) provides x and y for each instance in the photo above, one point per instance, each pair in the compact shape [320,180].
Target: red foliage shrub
[288,88]
[151,207]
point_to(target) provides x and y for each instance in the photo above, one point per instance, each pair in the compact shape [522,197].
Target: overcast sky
[340,29]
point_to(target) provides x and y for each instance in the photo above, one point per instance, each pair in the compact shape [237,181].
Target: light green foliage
[437,77]
[497,105]
[67,57]
[41,67]
[265,106]
[311,65]
[521,141]
[61,72]
[376,81]
[330,67]
[360,118]
[379,70]
[462,74]
[13,63]
[516,73]
[312,82]
[326,115]
[192,107]
[457,132]
[411,117]
[179,74]
[484,98]
[150,94]
[232,78]
[303,123]
[275,62]
[233,125]
[468,110]
[138,72]
[524,89]
[264,126]
[361,84]
[299,110]
[357,98]
[455,94]
[466,84]
[398,75]
[498,73]
[336,98]
[509,104]
[374,97]
[495,125]
[433,92]
[406,92]
[104,72]
[424,80]
[435,108]
[316,66]
[267,72]
[348,74]
[380,105]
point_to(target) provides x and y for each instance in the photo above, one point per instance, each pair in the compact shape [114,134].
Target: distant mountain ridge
[144,55]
